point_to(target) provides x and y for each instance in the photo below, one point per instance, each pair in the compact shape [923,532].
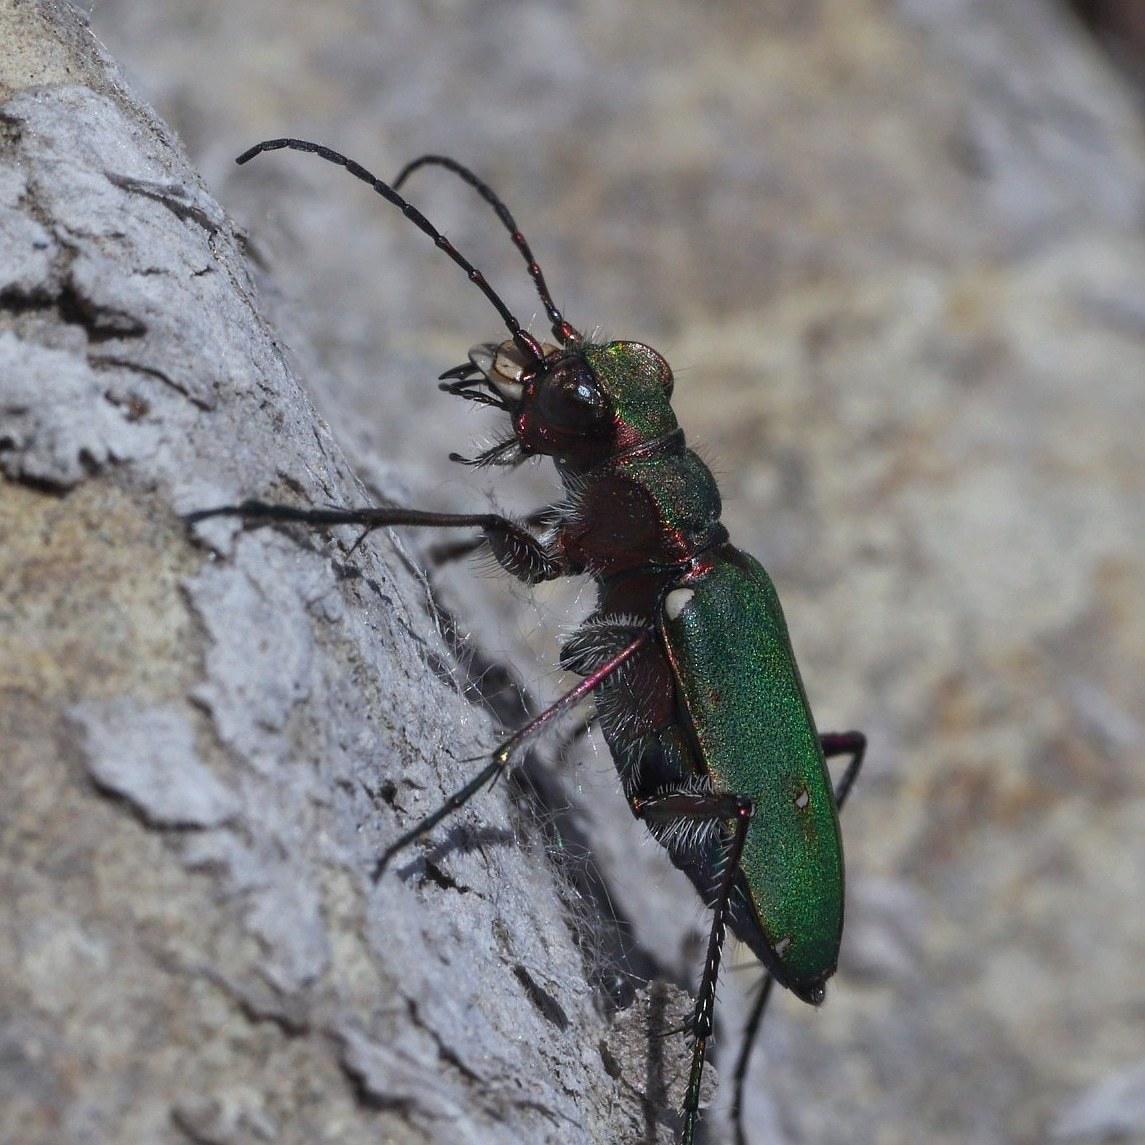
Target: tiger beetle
[686,656]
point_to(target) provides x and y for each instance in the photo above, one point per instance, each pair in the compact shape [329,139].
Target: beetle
[686,655]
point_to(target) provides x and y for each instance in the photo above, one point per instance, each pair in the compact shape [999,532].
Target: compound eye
[570,397]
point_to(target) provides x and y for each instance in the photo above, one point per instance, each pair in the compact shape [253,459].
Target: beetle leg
[503,755]
[851,743]
[739,810]
[455,550]
[514,547]
[596,641]
[747,1044]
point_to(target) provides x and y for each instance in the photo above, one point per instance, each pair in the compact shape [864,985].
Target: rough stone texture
[894,252]
[206,740]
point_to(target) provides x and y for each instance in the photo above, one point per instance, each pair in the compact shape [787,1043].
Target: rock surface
[894,253]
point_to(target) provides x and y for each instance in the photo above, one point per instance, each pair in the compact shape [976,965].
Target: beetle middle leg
[517,551]
[504,753]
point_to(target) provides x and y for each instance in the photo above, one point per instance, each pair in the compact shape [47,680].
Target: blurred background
[893,250]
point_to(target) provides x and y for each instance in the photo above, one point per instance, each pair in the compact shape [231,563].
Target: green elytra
[748,713]
[686,655]
[741,699]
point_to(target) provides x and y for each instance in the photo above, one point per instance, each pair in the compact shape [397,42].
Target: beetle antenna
[524,341]
[563,331]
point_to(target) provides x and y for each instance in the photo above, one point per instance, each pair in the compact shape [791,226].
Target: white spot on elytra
[783,946]
[802,799]
[676,601]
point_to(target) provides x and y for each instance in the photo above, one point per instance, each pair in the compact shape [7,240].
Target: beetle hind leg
[737,810]
[850,743]
[854,744]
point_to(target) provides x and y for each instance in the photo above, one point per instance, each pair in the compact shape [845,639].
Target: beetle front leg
[722,808]
[454,550]
[514,547]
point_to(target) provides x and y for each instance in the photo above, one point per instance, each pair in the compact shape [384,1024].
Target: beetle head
[580,404]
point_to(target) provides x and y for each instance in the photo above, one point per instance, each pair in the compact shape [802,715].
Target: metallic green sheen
[748,714]
[631,375]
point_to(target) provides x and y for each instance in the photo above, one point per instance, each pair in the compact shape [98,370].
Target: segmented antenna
[563,331]
[525,342]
